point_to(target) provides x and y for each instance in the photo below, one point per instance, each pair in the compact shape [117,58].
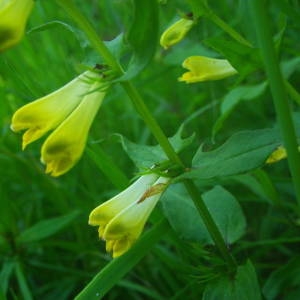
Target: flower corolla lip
[122,219]
[13,19]
[176,32]
[202,68]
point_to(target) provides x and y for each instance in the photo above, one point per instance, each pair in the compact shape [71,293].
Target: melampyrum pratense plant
[188,177]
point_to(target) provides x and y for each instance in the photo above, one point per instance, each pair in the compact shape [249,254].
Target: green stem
[228,29]
[292,92]
[153,126]
[277,85]
[143,110]
[92,35]
[210,223]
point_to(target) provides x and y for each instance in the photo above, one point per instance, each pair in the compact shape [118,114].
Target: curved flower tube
[13,18]
[46,113]
[203,68]
[70,110]
[65,145]
[122,219]
[175,33]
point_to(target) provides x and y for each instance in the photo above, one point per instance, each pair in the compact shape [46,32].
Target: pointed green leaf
[142,36]
[184,217]
[46,228]
[146,156]
[243,286]
[284,281]
[242,152]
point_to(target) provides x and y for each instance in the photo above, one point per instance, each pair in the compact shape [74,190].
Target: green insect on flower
[13,19]
[69,112]
[203,68]
[122,219]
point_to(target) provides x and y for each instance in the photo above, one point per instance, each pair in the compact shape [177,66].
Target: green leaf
[184,217]
[242,152]
[22,282]
[46,228]
[260,184]
[284,282]
[117,268]
[142,36]
[244,286]
[146,156]
[234,97]
[5,274]
[107,165]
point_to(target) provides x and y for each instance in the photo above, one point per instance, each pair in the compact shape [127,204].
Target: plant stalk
[278,89]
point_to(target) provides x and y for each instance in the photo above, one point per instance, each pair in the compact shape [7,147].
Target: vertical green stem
[229,30]
[277,85]
[210,224]
[92,35]
[153,126]
[151,122]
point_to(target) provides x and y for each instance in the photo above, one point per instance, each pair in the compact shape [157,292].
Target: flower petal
[65,145]
[48,112]
[102,214]
[13,18]
[130,222]
[204,68]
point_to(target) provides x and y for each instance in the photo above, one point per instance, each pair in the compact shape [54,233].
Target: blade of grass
[118,267]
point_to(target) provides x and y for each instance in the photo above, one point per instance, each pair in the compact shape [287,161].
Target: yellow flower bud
[122,219]
[13,18]
[203,68]
[175,33]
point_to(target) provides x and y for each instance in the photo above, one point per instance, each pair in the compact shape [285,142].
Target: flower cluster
[122,218]
[69,112]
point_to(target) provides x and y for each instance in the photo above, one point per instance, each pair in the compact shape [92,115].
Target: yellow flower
[203,68]
[277,155]
[13,18]
[122,219]
[175,33]
[70,110]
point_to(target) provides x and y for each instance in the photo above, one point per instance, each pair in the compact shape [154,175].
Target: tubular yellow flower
[175,33]
[122,219]
[203,68]
[65,145]
[70,110]
[13,18]
[46,113]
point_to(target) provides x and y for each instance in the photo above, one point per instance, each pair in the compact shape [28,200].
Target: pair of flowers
[200,68]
